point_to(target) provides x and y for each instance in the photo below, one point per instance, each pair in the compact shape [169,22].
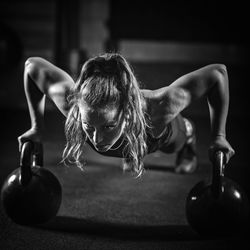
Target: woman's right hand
[33,135]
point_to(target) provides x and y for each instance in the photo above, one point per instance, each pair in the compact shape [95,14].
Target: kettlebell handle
[219,162]
[27,159]
[218,173]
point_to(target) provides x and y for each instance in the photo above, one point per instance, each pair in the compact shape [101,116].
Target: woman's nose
[97,137]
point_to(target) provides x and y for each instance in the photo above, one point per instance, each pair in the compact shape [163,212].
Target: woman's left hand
[220,143]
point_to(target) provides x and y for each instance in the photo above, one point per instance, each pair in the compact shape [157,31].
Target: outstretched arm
[211,82]
[43,79]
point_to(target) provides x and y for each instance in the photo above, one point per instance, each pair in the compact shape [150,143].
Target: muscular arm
[211,82]
[41,78]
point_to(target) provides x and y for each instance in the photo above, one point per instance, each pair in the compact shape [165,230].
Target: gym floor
[105,208]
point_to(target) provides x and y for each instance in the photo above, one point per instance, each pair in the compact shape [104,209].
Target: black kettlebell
[219,207]
[31,194]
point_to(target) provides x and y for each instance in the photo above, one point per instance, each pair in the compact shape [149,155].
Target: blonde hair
[106,79]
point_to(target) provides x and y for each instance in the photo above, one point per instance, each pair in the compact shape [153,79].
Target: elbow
[221,69]
[28,62]
[220,73]
[29,65]
[32,67]
[31,61]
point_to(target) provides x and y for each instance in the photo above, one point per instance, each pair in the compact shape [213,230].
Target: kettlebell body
[224,213]
[31,194]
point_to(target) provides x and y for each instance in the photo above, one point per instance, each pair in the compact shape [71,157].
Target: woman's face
[103,126]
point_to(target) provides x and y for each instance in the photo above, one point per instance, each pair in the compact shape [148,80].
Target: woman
[106,109]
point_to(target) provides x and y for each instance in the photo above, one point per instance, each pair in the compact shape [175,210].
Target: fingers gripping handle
[219,162]
[28,158]
[218,173]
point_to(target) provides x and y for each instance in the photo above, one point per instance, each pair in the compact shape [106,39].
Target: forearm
[218,101]
[35,99]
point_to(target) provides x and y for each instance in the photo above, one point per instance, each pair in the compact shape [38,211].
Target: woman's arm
[43,79]
[211,82]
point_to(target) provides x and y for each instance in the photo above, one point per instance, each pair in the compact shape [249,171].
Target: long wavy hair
[106,79]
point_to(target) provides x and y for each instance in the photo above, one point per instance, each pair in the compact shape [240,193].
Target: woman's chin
[103,148]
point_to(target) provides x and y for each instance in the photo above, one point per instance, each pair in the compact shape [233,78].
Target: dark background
[69,32]
[192,21]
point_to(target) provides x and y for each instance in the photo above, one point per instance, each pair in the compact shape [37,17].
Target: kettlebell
[218,207]
[31,194]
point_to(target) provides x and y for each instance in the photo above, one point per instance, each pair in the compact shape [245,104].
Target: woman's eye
[109,126]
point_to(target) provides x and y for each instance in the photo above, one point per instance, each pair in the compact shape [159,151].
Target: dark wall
[202,21]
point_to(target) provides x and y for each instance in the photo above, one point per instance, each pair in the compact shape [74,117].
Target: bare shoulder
[155,101]
[42,69]
[158,109]
[156,96]
[173,98]
[54,82]
[205,73]
[190,83]
[209,67]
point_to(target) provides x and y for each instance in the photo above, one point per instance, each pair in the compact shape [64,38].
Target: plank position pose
[106,109]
